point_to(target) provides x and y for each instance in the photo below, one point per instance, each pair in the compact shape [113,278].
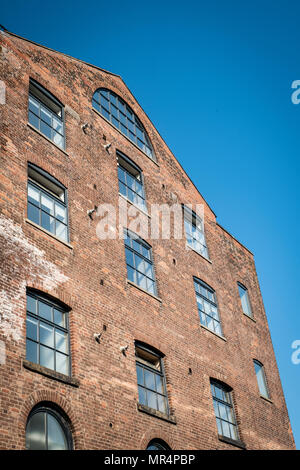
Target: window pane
[161,404]
[33,214]
[31,328]
[62,363]
[61,341]
[46,116]
[45,311]
[46,334]
[58,139]
[122,189]
[139,264]
[61,231]
[149,379]
[33,120]
[33,105]
[48,222]
[46,357]
[45,129]
[31,304]
[33,195]
[131,274]
[261,380]
[57,125]
[151,396]
[159,384]
[142,396]
[226,430]
[47,204]
[59,317]
[141,281]
[31,351]
[35,432]
[61,213]
[129,258]
[245,301]
[121,174]
[56,436]
[139,372]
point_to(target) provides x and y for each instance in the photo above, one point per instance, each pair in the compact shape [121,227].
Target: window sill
[48,233]
[195,251]
[127,138]
[134,205]
[157,414]
[248,316]
[266,399]
[50,373]
[45,137]
[143,290]
[232,442]
[216,334]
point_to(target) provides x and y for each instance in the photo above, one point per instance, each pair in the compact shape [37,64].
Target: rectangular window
[194,231]
[261,379]
[151,379]
[47,202]
[131,182]
[245,300]
[47,334]
[46,114]
[223,406]
[139,262]
[207,306]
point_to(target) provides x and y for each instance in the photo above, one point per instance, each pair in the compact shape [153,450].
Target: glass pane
[46,115]
[45,311]
[150,286]
[142,396]
[115,122]
[159,384]
[56,436]
[218,393]
[31,304]
[31,328]
[161,404]
[61,341]
[33,195]
[151,396]
[220,431]
[46,357]
[57,125]
[141,281]
[261,380]
[121,174]
[245,301]
[148,269]
[139,264]
[131,195]
[61,231]
[48,222]
[35,432]
[47,335]
[130,182]
[226,430]
[222,409]
[62,363]
[129,258]
[47,204]
[131,274]
[31,351]
[58,139]
[136,246]
[33,214]
[45,129]
[61,213]
[33,120]
[209,323]
[59,318]
[139,373]
[105,113]
[233,430]
[149,379]
[122,189]
[33,105]
[216,408]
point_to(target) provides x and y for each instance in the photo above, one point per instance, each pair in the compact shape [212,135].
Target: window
[47,202]
[261,379]
[194,231]
[245,300]
[139,262]
[151,379]
[131,181]
[157,444]
[113,108]
[47,430]
[47,334]
[207,306]
[226,421]
[46,114]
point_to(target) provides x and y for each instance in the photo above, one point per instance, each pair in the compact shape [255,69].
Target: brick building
[117,343]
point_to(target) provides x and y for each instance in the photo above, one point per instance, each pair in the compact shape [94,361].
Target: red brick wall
[103,409]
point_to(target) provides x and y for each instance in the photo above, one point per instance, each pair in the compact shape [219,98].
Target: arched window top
[48,429]
[114,108]
[157,444]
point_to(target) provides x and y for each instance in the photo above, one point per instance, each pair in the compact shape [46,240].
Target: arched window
[207,306]
[261,379]
[47,429]
[113,108]
[157,444]
[224,410]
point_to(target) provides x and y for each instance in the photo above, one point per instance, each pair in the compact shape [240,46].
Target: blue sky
[215,79]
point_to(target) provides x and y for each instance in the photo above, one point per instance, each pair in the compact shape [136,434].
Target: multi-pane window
[139,262]
[113,108]
[47,430]
[47,202]
[207,306]
[245,300]
[157,444]
[47,334]
[194,231]
[261,379]
[46,114]
[151,379]
[131,182]
[223,406]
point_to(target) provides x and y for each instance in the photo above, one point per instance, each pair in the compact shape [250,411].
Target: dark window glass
[207,306]
[194,231]
[223,406]
[47,203]
[139,262]
[113,108]
[157,444]
[45,113]
[261,379]
[151,380]
[131,182]
[46,430]
[245,300]
[47,334]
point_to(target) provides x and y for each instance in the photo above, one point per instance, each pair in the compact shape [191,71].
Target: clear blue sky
[215,79]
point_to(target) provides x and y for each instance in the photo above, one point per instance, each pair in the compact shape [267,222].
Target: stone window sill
[248,316]
[48,233]
[45,137]
[216,334]
[195,251]
[157,414]
[50,373]
[266,399]
[232,442]
[143,290]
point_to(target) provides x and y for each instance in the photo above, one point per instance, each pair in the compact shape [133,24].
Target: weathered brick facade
[89,276]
